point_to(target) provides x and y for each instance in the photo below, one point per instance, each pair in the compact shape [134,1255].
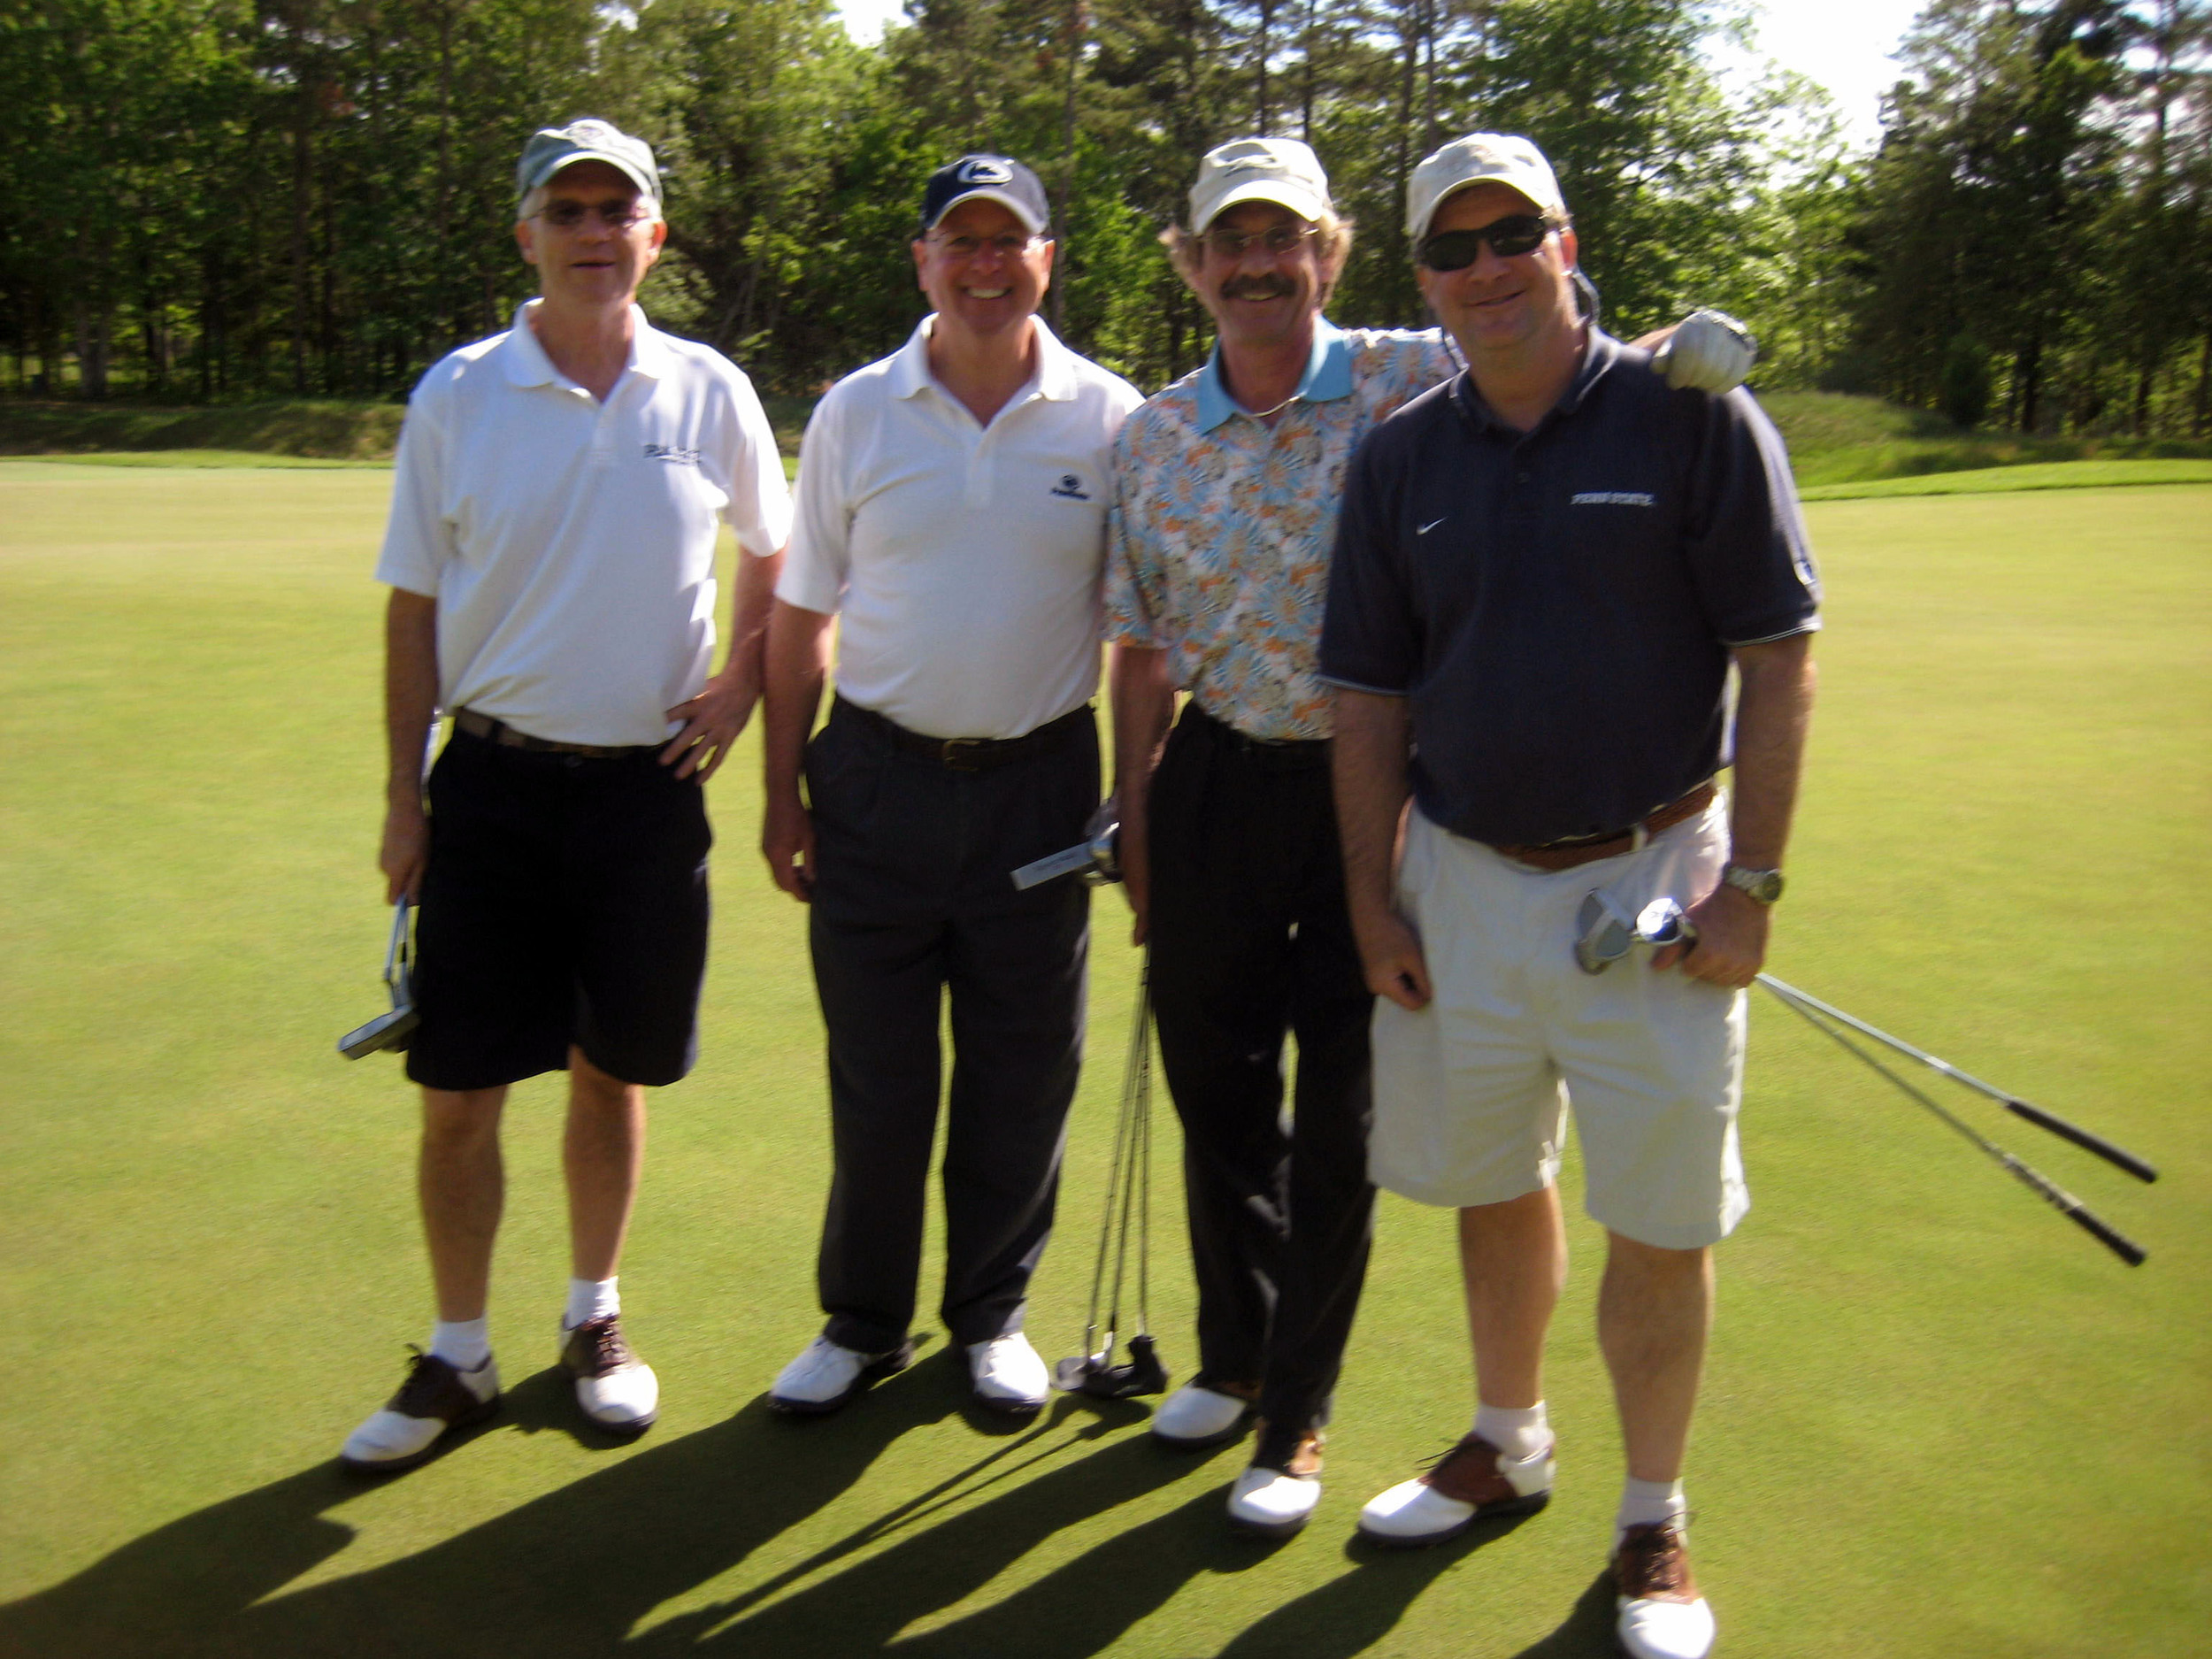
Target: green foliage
[312,197]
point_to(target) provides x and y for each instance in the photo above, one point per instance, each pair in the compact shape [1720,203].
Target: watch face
[1762,885]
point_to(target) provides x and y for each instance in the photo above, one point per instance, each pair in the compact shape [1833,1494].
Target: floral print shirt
[1217,546]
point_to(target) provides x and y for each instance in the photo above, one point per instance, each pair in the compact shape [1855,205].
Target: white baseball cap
[1504,159]
[1278,170]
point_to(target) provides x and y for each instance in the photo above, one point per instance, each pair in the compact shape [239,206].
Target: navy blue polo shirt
[1559,605]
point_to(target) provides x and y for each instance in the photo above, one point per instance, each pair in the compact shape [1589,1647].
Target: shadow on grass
[576,1571]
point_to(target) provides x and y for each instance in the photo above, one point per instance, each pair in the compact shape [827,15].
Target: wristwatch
[1762,887]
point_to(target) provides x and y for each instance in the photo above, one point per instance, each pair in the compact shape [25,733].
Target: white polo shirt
[570,543]
[965,558]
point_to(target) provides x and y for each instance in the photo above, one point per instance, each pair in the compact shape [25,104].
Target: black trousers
[1250,942]
[914,900]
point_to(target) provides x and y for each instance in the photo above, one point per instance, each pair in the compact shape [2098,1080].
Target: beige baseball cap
[1278,170]
[1504,159]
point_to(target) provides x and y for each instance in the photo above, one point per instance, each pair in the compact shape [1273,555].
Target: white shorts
[1472,1093]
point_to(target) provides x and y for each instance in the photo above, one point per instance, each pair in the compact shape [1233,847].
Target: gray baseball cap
[552,148]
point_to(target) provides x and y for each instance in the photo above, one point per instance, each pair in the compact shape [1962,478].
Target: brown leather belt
[499,733]
[972,754]
[1588,849]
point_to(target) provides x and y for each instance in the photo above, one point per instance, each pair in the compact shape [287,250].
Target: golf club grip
[2082,1137]
[2133,1254]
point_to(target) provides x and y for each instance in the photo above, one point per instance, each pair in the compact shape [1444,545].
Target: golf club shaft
[2041,1185]
[2117,1155]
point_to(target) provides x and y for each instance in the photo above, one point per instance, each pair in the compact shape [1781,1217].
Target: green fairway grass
[1996,480]
[1939,1420]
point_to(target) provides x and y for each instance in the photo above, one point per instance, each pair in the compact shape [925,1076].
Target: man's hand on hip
[786,841]
[713,721]
[406,850]
[1731,946]
[1390,954]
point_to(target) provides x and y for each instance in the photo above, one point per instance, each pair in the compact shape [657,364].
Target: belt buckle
[949,753]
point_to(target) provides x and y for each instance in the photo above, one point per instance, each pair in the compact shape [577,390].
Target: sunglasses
[1515,233]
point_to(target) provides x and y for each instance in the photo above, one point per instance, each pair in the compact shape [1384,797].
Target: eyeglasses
[1278,239]
[613,215]
[1514,235]
[1008,246]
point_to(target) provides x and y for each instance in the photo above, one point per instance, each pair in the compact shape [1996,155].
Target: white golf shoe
[1194,1417]
[1471,1482]
[1661,1614]
[615,1388]
[435,1399]
[1008,1375]
[1278,1494]
[825,1376]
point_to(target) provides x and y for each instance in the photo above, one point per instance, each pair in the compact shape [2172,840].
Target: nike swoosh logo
[1430,526]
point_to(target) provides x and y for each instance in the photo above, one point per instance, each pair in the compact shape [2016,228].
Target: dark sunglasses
[1456,249]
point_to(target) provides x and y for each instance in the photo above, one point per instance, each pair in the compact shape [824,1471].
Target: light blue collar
[1328,375]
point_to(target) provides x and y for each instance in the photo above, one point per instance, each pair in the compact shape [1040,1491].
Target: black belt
[970,754]
[1286,754]
[505,736]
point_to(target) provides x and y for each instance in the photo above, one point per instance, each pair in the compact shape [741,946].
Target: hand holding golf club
[1722,939]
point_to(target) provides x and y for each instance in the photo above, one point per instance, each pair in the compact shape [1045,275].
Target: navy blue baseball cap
[999,179]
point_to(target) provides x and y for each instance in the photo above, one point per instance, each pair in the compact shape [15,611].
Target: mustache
[1256,288]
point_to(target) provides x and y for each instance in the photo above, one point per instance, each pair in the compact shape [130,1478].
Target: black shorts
[564,901]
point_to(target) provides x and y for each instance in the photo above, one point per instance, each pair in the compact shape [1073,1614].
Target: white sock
[464,1344]
[1519,1433]
[590,1299]
[1646,1502]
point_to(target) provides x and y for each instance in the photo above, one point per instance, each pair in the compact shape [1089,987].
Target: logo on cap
[591,132]
[981,172]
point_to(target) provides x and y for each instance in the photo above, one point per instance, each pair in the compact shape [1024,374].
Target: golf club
[1098,856]
[1606,934]
[1128,1210]
[389,1031]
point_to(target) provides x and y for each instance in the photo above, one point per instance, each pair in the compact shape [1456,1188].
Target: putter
[1128,1210]
[389,1031]
[1098,854]
[1606,935]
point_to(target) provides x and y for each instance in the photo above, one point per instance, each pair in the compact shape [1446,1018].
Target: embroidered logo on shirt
[1430,524]
[671,453]
[1615,498]
[1070,486]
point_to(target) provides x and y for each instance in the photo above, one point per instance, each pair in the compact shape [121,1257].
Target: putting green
[1938,1420]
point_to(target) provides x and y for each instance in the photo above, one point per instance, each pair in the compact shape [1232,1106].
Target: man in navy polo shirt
[1544,571]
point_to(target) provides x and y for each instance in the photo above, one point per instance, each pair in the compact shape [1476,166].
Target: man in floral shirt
[1227,488]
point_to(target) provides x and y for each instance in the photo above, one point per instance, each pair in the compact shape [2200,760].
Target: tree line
[248,198]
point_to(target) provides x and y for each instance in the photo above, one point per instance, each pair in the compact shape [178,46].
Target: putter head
[389,1031]
[1602,934]
[1105,828]
[1096,1375]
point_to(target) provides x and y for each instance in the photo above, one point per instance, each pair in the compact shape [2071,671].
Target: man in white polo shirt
[951,506]
[551,558]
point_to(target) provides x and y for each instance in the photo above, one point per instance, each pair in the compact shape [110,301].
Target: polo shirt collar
[1328,376]
[1598,359]
[1055,379]
[528,364]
